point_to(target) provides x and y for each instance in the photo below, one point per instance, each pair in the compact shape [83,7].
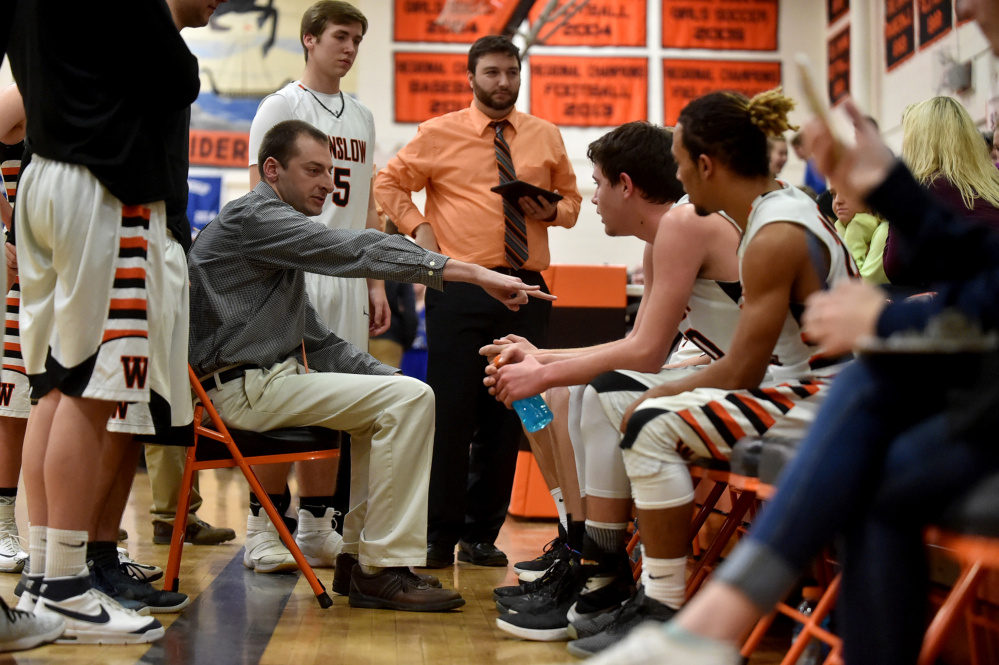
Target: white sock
[664,579]
[65,553]
[37,537]
[560,506]
[7,521]
[370,570]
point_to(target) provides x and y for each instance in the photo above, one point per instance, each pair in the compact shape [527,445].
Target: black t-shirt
[178,130]
[102,95]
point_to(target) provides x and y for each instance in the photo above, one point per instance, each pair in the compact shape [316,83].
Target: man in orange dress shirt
[455,158]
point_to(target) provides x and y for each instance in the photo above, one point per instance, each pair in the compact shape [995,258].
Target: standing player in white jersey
[353,308]
[771,380]
[692,288]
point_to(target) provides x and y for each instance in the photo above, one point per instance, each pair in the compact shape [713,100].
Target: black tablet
[515,189]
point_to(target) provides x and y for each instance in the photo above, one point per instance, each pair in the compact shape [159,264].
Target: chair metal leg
[317,587]
[942,623]
[171,579]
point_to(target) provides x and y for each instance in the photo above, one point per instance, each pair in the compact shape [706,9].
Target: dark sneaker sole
[534,634]
[373,603]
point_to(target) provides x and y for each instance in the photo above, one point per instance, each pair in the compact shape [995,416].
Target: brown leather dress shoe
[399,589]
[198,532]
[345,564]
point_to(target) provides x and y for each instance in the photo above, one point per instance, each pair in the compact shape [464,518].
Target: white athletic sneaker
[265,553]
[141,572]
[23,630]
[12,557]
[317,539]
[92,617]
[654,644]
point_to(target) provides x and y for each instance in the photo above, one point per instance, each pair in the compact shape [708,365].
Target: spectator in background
[813,178]
[414,360]
[942,147]
[864,233]
[777,148]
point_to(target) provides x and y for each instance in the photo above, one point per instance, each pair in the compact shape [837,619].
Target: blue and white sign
[204,200]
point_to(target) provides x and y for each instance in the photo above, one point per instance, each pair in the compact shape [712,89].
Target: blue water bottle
[533,411]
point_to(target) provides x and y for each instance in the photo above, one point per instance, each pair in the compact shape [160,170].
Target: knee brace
[657,485]
[605,474]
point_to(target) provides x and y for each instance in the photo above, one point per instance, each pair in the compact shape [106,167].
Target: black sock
[103,554]
[281,503]
[316,505]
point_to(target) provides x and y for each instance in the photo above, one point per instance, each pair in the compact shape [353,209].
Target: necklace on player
[326,108]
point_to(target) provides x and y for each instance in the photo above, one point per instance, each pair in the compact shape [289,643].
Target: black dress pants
[476,441]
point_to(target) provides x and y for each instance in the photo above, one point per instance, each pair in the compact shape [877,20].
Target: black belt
[515,272]
[225,376]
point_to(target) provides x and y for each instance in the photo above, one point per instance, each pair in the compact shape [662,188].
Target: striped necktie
[515,229]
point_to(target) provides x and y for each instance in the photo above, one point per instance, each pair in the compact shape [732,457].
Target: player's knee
[657,484]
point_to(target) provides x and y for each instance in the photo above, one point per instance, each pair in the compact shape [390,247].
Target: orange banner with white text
[416,21]
[589,92]
[720,25]
[430,84]
[598,23]
[219,148]
[686,80]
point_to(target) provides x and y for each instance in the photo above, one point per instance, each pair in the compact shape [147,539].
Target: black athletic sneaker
[535,568]
[606,591]
[100,582]
[639,610]
[524,588]
[129,588]
[547,587]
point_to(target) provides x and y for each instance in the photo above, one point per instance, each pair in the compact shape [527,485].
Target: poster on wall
[900,32]
[415,21]
[720,25]
[204,199]
[936,18]
[686,80]
[839,66]
[589,92]
[246,52]
[430,84]
[837,9]
[598,23]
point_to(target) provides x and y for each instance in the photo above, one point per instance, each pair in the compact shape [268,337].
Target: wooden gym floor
[238,617]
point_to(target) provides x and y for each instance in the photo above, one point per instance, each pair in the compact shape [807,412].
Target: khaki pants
[165,465]
[391,423]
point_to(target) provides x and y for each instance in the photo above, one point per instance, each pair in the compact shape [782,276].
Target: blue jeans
[877,464]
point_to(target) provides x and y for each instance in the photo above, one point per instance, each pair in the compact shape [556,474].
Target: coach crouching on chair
[249,317]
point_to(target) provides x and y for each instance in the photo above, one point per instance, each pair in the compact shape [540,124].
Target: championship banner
[589,92]
[936,18]
[686,80]
[415,22]
[836,9]
[219,148]
[598,23]
[839,66]
[430,84]
[900,32]
[720,25]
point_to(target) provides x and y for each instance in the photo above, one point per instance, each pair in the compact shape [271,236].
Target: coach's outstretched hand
[509,290]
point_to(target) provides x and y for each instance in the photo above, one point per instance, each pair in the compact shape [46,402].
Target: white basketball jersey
[792,357]
[712,313]
[342,303]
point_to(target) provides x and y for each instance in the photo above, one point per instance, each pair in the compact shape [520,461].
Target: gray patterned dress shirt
[248,300]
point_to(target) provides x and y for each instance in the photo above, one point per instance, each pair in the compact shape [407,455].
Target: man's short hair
[281,142]
[318,16]
[488,45]
[642,150]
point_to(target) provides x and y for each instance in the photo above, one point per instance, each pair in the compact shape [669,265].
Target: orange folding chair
[218,447]
[969,533]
